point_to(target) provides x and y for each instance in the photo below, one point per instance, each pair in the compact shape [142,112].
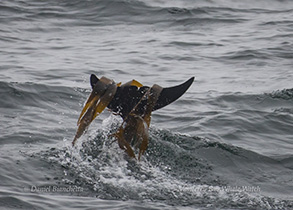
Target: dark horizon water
[225,144]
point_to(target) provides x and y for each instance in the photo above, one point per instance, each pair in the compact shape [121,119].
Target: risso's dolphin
[133,102]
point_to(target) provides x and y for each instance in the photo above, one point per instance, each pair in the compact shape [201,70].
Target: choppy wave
[117,11]
[227,143]
[113,12]
[177,170]
[286,94]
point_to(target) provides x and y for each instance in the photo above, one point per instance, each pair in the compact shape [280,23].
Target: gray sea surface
[225,144]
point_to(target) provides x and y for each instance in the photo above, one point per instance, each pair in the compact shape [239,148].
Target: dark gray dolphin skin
[133,102]
[127,96]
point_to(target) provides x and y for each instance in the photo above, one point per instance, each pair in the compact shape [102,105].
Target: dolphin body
[133,102]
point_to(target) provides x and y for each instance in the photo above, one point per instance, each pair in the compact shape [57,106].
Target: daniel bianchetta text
[54,188]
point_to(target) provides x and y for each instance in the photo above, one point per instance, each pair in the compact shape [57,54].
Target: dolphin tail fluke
[170,94]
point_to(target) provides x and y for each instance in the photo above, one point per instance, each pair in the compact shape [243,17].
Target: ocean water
[226,144]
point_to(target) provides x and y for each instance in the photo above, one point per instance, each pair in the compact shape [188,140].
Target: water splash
[170,172]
